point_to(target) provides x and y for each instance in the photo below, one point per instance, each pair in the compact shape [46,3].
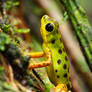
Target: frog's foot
[61,88]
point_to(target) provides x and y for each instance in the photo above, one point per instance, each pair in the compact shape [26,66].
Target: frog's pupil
[49,27]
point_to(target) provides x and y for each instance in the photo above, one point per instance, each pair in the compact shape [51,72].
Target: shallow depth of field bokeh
[20,32]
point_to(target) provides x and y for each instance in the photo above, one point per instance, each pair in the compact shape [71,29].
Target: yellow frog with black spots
[56,60]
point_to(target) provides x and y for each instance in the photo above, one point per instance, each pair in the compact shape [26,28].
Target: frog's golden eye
[49,27]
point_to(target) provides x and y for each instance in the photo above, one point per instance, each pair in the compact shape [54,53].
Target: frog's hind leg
[61,88]
[39,64]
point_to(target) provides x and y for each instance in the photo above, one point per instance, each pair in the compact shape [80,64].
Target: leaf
[4,40]
[23,30]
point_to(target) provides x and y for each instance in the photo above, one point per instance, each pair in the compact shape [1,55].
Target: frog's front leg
[40,63]
[35,54]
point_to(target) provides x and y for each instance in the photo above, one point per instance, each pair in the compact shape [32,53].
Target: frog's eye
[49,27]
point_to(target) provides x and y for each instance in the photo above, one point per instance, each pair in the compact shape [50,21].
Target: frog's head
[49,28]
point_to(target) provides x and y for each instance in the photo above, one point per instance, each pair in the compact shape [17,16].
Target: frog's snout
[45,17]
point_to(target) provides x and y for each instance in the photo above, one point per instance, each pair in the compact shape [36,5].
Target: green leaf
[23,30]
[4,40]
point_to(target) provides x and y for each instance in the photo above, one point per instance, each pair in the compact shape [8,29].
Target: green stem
[82,27]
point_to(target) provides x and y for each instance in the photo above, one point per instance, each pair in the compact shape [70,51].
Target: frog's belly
[51,74]
[56,74]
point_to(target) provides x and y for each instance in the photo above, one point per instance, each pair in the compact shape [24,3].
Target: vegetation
[20,32]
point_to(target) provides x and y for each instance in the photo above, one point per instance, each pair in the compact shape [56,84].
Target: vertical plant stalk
[82,27]
[70,43]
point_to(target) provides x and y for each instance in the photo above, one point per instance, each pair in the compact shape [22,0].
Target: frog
[56,59]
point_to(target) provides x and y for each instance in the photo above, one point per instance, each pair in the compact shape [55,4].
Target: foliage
[4,86]
[14,41]
[22,30]
[10,4]
[4,40]
[5,26]
[82,27]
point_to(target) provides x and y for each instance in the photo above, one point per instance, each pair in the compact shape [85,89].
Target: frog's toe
[61,88]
